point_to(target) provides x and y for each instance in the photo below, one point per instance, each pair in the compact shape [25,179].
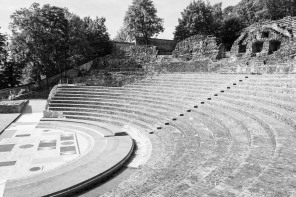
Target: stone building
[267,38]
[199,47]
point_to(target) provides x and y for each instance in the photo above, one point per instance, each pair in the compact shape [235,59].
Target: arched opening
[265,34]
[242,48]
[257,47]
[274,45]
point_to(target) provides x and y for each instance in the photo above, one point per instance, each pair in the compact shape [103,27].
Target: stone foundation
[199,46]
[12,106]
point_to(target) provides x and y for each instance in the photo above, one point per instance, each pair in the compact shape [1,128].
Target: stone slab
[94,166]
[6,120]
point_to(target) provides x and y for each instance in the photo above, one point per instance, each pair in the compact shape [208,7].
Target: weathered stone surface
[12,106]
[266,47]
[199,46]
[52,114]
[164,47]
[131,58]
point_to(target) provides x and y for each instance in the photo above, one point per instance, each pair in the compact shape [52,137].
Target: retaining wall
[12,106]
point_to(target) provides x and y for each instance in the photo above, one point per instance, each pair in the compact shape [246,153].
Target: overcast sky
[112,10]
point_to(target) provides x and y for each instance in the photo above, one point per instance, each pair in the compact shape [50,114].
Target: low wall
[12,106]
[5,93]
[199,47]
[265,69]
[185,66]
[108,79]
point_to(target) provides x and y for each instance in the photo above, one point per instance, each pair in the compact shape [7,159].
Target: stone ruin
[265,38]
[199,47]
[267,43]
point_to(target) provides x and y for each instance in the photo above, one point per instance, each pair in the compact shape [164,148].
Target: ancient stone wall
[267,38]
[204,65]
[131,58]
[12,106]
[267,47]
[164,47]
[198,47]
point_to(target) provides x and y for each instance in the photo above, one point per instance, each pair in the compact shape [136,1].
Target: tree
[141,20]
[50,39]
[97,37]
[10,70]
[122,35]
[3,51]
[11,74]
[228,11]
[199,18]
[231,30]
[278,9]
[41,35]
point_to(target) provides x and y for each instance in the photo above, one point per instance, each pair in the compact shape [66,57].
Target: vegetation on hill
[10,68]
[47,40]
[200,17]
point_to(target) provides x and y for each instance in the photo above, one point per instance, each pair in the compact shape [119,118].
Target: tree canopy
[199,18]
[141,20]
[122,35]
[50,39]
[10,69]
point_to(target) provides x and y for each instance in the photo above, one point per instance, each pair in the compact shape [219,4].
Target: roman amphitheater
[185,130]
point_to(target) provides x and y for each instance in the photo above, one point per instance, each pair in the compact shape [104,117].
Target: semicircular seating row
[240,142]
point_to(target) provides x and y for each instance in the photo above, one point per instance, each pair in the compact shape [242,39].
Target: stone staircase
[211,134]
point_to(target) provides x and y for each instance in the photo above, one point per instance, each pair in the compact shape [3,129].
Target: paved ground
[26,149]
[54,156]
[33,111]
[6,120]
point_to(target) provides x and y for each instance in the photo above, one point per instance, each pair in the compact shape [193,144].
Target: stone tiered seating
[240,142]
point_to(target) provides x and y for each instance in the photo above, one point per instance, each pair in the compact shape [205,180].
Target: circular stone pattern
[34,169]
[67,143]
[26,146]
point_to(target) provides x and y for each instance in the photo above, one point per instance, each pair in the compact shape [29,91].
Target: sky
[112,10]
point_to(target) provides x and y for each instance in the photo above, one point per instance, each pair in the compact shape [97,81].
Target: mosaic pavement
[27,150]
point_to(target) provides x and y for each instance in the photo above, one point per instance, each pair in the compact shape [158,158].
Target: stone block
[14,106]
[52,114]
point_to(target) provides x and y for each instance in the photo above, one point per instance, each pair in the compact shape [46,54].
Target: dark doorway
[257,47]
[274,45]
[265,34]
[242,48]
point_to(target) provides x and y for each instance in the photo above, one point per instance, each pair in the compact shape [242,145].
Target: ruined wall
[267,47]
[12,106]
[130,58]
[164,47]
[267,38]
[198,47]
[203,65]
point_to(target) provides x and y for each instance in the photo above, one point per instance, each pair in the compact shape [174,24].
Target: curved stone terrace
[210,134]
[178,134]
